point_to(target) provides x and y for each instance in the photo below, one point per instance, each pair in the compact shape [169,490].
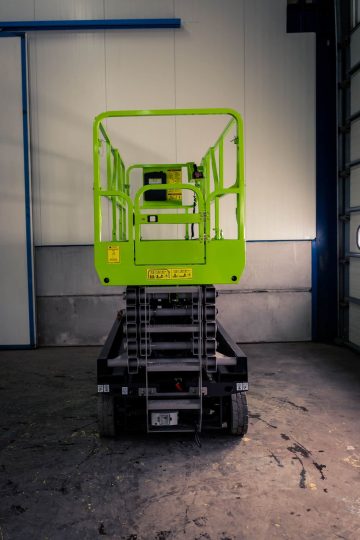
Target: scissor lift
[167,364]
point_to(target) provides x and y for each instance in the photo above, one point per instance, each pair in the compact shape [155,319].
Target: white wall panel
[275,266]
[355,141]
[209,60]
[138,9]
[354,269]
[354,278]
[266,316]
[272,302]
[354,324]
[355,187]
[355,47]
[354,225]
[23,10]
[189,10]
[68,9]
[139,69]
[209,56]
[355,93]
[228,53]
[14,301]
[140,75]
[279,125]
[17,10]
[67,91]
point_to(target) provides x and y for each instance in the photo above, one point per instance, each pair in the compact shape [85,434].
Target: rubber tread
[106,415]
[239,415]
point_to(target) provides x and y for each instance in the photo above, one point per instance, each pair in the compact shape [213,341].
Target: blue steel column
[319,17]
[29,247]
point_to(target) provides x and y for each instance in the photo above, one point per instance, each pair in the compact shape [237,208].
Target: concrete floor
[295,475]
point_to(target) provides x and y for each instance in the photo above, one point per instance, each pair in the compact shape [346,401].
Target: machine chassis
[122,395]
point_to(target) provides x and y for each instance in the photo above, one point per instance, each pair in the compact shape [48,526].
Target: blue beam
[26,150]
[93,24]
[319,17]
[11,34]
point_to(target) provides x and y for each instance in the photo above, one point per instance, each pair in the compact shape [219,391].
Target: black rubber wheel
[239,415]
[106,415]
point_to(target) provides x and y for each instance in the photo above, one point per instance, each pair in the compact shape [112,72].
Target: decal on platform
[169,273]
[113,254]
[174,176]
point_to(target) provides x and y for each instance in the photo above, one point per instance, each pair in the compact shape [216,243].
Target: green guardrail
[208,257]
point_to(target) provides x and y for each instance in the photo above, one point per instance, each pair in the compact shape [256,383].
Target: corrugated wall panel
[355,93]
[15,10]
[355,141]
[209,61]
[268,316]
[135,9]
[228,53]
[272,301]
[354,278]
[67,90]
[354,225]
[14,295]
[140,74]
[355,186]
[69,270]
[275,265]
[79,320]
[279,124]
[353,269]
[201,64]
[354,325]
[355,47]
[209,56]
[68,9]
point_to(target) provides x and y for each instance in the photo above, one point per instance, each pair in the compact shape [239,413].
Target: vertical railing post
[97,204]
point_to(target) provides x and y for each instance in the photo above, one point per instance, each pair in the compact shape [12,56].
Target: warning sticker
[174,195]
[169,273]
[113,254]
[174,176]
[158,273]
[181,273]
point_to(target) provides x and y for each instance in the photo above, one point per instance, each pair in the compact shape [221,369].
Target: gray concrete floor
[295,475]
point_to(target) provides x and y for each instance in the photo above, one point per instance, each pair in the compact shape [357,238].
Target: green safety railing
[128,259]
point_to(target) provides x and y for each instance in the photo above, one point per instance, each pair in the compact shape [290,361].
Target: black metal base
[126,391]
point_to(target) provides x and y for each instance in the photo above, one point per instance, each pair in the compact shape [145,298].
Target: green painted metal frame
[201,260]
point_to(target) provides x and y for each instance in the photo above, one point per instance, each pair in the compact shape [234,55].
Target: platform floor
[296,475]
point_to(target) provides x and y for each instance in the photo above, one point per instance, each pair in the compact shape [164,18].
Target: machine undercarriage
[168,366]
[166,231]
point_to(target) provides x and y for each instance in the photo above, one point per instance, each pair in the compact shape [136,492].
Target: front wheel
[239,415]
[106,415]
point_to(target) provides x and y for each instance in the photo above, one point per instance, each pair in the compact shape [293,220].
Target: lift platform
[160,230]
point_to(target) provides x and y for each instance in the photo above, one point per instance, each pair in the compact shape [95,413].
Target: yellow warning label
[181,273]
[169,273]
[174,176]
[158,273]
[174,195]
[113,254]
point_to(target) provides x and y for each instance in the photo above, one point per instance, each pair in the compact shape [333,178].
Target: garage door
[353,210]
[16,284]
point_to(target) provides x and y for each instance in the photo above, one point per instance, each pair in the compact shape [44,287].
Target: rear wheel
[238,414]
[106,415]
